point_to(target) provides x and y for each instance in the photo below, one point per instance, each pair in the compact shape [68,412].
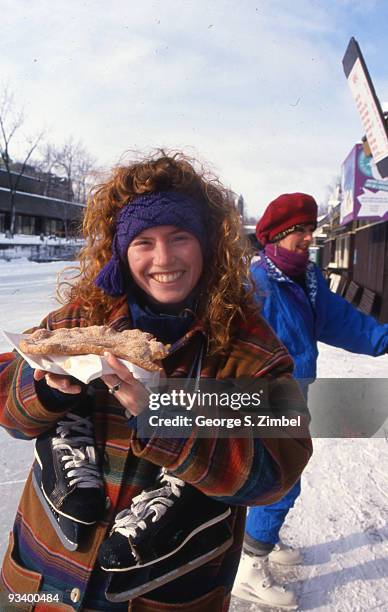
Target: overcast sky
[256,88]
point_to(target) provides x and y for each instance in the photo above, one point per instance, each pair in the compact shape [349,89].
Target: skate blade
[246,593]
[154,583]
[70,539]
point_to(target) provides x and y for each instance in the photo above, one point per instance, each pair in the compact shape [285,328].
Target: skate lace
[80,462]
[148,503]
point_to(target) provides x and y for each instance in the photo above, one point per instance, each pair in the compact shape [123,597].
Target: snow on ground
[27,293]
[340,520]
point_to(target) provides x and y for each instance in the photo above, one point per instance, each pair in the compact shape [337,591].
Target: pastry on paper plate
[135,346]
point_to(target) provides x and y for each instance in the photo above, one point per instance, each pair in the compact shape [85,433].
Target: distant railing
[39,252]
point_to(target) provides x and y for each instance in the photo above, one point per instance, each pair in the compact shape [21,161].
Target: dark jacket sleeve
[27,409]
[22,413]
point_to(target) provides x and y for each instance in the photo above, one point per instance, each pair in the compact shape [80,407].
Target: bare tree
[84,176]
[11,122]
[46,166]
[76,164]
[73,166]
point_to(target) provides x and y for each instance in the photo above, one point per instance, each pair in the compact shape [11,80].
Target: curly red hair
[225,298]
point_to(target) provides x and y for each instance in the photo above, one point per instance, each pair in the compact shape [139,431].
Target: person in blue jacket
[297,302]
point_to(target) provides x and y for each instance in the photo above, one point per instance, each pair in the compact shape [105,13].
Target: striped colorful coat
[242,471]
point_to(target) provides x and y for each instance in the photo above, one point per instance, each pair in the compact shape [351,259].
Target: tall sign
[367,105]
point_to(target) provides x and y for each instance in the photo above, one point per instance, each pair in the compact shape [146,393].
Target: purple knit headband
[144,212]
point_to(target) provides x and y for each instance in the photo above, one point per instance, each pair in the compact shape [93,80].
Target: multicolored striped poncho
[243,471]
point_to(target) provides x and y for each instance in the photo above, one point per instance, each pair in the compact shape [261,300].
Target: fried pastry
[138,347]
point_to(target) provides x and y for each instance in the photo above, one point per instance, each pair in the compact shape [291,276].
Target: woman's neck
[170,309]
[146,301]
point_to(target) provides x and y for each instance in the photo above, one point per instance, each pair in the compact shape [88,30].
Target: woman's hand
[65,384]
[131,394]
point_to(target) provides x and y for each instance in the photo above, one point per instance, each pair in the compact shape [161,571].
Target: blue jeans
[264,522]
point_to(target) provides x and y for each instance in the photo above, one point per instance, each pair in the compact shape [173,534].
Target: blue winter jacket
[300,321]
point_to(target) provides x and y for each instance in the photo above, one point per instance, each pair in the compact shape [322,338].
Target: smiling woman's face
[166,262]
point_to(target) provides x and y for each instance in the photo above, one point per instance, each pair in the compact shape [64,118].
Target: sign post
[367,105]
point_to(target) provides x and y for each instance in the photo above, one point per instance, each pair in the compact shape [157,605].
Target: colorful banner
[364,191]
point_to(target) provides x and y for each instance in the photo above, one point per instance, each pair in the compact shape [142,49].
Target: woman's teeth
[167,278]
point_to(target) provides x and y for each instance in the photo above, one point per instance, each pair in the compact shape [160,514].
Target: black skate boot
[160,522]
[67,477]
[205,546]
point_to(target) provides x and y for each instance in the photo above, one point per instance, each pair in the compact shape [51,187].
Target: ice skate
[285,555]
[67,477]
[158,524]
[205,546]
[255,584]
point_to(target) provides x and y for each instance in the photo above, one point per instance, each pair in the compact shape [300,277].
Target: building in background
[44,204]
[355,252]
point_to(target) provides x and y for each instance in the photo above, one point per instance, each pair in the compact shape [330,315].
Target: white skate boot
[285,555]
[254,583]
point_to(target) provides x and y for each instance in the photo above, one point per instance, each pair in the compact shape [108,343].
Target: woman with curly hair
[108,513]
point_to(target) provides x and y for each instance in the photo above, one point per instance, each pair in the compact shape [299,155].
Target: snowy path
[340,520]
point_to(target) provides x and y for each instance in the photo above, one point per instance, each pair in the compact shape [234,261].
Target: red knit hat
[283,213]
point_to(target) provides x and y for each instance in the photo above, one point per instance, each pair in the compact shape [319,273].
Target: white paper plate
[83,367]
